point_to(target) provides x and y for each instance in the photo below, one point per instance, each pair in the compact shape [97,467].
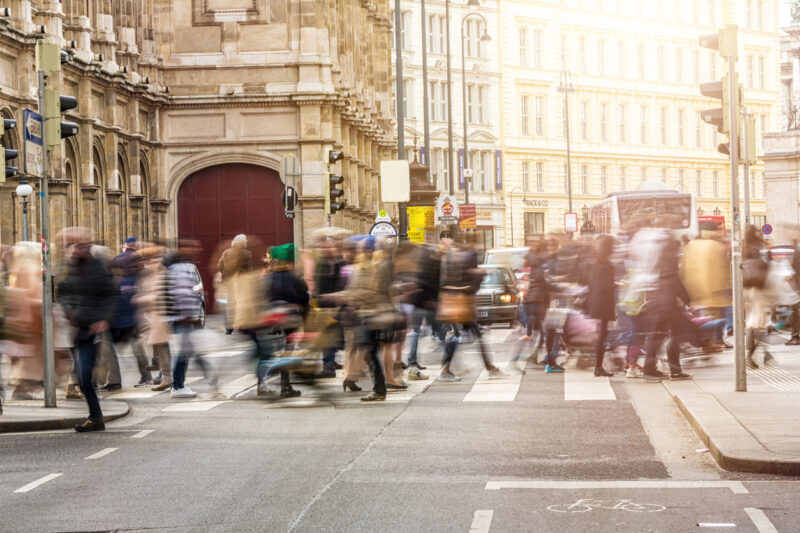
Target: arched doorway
[217,203]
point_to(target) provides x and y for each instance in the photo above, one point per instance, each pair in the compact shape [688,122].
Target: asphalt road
[443,457]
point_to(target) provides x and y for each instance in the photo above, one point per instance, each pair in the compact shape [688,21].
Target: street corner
[31,415]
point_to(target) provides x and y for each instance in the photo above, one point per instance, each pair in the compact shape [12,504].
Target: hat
[284,252]
[131,240]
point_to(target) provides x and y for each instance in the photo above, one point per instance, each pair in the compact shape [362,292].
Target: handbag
[456,306]
[755,272]
[21,324]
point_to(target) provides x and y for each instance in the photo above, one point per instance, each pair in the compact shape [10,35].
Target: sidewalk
[753,431]
[31,415]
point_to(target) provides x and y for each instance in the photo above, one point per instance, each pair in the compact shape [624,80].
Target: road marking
[102,453]
[777,378]
[494,390]
[715,524]
[760,520]
[735,486]
[585,386]
[139,394]
[41,481]
[481,521]
[143,433]
[232,388]
[191,406]
[587,504]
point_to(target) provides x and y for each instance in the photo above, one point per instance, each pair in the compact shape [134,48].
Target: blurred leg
[87,355]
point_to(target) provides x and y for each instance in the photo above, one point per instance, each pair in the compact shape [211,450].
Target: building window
[665,176]
[681,127]
[623,179]
[567,178]
[621,59]
[408,98]
[761,62]
[715,184]
[642,175]
[601,57]
[750,84]
[698,131]
[663,125]
[540,176]
[679,65]
[681,180]
[764,119]
[698,183]
[585,179]
[603,122]
[749,13]
[484,158]
[643,124]
[537,48]
[534,225]
[760,14]
[564,52]
[483,98]
[523,115]
[523,47]
[538,110]
[525,173]
[603,180]
[712,15]
[712,65]
[622,119]
[661,64]
[640,60]
[585,121]
[433,100]
[582,54]
[696,66]
[471,103]
[444,105]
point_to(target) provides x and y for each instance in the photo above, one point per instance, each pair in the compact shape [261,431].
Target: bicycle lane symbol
[588,504]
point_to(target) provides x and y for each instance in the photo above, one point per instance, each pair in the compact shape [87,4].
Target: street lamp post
[484,38]
[511,198]
[449,102]
[24,190]
[566,87]
[426,107]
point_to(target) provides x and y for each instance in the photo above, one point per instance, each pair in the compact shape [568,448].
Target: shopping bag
[456,306]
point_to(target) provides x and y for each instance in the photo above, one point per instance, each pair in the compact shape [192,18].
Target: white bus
[653,205]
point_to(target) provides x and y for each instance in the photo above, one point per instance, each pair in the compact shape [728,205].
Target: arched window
[99,167]
[122,173]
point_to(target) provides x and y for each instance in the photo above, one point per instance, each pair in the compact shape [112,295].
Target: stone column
[782,179]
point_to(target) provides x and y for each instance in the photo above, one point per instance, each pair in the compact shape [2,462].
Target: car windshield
[496,276]
[516,260]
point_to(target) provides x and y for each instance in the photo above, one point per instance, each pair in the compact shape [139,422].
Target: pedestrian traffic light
[725,42]
[54,105]
[8,154]
[333,194]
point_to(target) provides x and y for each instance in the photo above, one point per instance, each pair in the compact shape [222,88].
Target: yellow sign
[382,213]
[420,220]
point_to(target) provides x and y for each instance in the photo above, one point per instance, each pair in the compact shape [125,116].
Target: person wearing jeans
[87,294]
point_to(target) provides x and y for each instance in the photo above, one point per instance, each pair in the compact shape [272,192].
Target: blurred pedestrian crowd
[357,304]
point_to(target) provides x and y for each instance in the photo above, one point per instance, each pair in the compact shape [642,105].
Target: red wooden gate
[217,203]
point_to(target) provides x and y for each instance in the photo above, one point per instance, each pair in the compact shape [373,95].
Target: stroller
[569,329]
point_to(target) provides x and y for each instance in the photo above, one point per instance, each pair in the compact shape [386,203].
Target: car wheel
[203,315]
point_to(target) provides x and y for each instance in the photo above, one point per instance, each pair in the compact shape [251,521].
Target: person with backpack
[601,298]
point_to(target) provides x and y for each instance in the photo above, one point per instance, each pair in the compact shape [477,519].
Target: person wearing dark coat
[663,315]
[87,294]
[601,301]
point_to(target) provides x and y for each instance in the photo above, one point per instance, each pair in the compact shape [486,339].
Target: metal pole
[746,166]
[569,165]
[426,126]
[449,103]
[25,218]
[464,110]
[47,291]
[401,142]
[736,236]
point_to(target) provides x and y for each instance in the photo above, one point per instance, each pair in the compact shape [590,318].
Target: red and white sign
[447,208]
[570,222]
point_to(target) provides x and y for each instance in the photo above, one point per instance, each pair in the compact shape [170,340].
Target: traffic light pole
[746,165]
[47,287]
[736,234]
[401,142]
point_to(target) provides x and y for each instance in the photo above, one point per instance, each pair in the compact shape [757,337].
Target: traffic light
[54,105]
[725,42]
[7,154]
[333,194]
[750,133]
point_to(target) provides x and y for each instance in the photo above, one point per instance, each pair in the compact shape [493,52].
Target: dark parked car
[496,300]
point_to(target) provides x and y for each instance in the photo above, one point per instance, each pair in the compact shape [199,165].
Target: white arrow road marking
[481,522]
[102,453]
[762,523]
[41,481]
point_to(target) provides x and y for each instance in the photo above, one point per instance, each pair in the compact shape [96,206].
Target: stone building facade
[187,109]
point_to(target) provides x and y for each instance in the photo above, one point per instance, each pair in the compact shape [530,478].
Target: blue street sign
[766,229]
[34,144]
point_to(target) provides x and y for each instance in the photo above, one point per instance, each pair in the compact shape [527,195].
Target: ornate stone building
[187,109]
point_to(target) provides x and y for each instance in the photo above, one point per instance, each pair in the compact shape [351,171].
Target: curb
[15,426]
[731,444]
